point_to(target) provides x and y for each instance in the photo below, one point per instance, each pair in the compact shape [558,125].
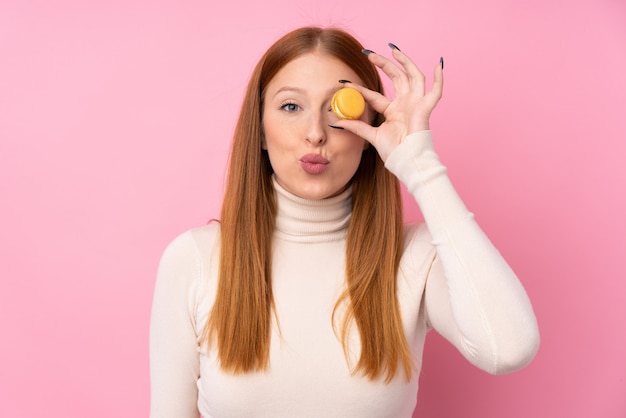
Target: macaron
[348,103]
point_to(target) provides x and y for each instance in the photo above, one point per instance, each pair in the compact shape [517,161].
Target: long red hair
[240,320]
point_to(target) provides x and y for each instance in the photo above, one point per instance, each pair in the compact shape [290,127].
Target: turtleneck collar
[304,220]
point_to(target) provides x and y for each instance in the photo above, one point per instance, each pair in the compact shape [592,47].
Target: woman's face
[310,159]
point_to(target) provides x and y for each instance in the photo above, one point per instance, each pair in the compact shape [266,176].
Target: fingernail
[367,51]
[335,126]
[345,81]
[441,62]
[393,46]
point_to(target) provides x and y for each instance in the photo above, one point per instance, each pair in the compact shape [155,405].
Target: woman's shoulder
[205,236]
[418,241]
[194,242]
[416,231]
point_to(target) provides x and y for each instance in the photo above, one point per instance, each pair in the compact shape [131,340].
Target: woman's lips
[313,163]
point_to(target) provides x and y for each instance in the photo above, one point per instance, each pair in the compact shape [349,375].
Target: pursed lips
[313,163]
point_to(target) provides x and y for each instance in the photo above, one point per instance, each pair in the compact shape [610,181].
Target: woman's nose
[317,129]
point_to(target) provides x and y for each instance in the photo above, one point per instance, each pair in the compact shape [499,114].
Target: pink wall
[115,120]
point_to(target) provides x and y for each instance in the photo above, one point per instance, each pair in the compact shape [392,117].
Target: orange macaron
[348,103]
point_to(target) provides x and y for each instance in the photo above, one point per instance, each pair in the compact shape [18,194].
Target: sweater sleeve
[472,296]
[174,354]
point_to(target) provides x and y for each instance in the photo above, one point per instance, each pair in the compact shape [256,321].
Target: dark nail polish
[441,62]
[367,51]
[393,46]
[335,126]
[345,81]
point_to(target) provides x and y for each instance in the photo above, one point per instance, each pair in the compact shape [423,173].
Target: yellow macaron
[348,103]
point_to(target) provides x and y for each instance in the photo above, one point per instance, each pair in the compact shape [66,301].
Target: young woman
[310,298]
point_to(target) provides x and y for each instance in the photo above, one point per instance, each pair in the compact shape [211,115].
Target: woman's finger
[395,73]
[374,99]
[436,90]
[414,74]
[358,127]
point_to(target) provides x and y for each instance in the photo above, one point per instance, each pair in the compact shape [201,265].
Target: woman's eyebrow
[289,89]
[302,91]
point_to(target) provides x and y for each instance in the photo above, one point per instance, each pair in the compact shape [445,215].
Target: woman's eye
[290,107]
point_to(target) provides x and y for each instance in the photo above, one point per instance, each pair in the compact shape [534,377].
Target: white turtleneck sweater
[451,278]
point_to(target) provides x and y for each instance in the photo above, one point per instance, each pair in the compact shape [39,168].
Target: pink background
[115,122]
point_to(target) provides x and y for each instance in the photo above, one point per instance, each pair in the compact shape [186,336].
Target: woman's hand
[408,112]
